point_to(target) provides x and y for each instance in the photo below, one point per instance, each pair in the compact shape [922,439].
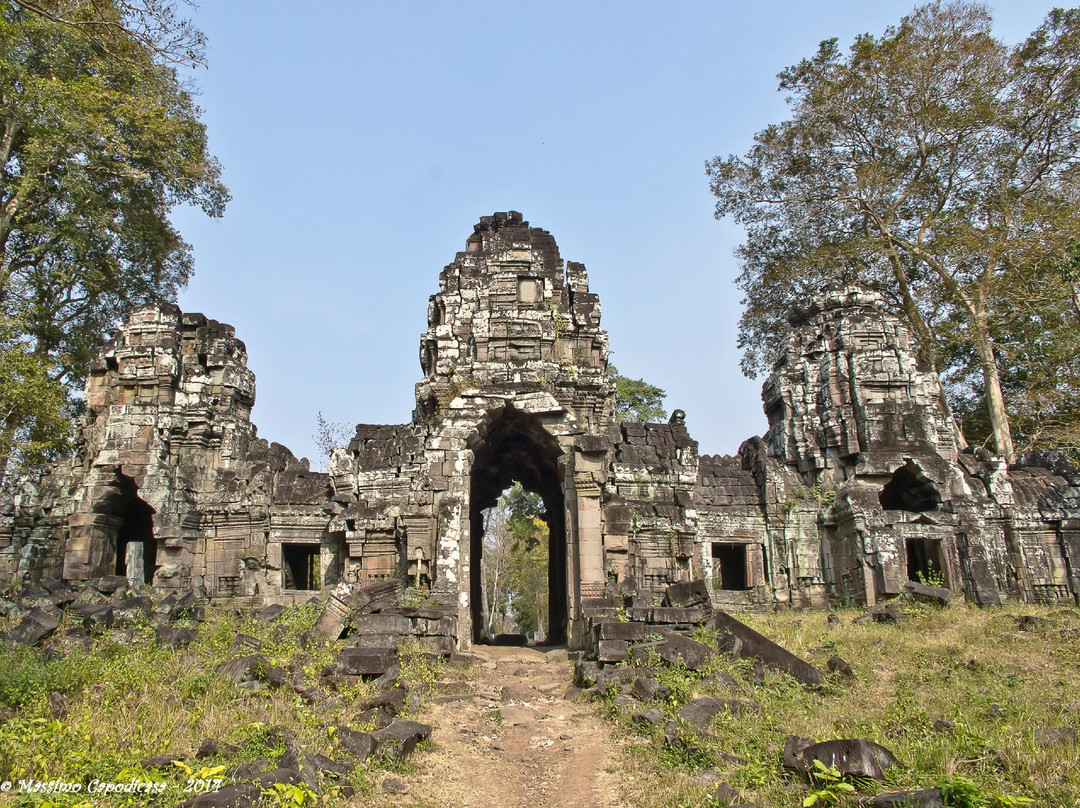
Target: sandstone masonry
[858,486]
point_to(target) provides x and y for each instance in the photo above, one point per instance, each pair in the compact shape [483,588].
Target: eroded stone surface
[860,485]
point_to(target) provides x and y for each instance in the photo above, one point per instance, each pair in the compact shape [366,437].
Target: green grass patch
[129,700]
[995,685]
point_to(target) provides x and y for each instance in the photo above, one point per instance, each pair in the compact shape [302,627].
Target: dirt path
[514,738]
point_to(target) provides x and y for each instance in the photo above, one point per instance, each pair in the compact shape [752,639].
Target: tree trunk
[925,343]
[995,400]
[7,446]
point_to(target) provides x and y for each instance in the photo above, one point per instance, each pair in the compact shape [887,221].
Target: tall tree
[933,163]
[635,399]
[99,140]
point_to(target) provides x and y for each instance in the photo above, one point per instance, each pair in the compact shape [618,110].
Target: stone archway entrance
[516,447]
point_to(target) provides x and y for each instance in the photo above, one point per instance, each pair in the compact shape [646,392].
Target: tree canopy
[99,140]
[939,166]
[635,399]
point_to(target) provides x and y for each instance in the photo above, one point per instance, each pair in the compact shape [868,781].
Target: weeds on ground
[991,685]
[129,699]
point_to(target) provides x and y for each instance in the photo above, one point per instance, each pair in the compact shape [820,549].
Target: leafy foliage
[934,164]
[516,564]
[635,399]
[99,140]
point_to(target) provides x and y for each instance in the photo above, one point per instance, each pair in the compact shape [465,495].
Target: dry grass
[974,668]
[131,700]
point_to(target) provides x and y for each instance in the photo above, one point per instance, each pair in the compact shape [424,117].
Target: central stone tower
[514,389]
[508,319]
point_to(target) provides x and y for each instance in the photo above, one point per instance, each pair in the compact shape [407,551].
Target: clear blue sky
[361,142]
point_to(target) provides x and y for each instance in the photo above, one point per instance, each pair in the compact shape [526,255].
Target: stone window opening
[730,570]
[300,566]
[910,490]
[924,562]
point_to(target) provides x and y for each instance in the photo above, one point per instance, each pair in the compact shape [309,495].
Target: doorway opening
[924,563]
[515,599]
[136,548]
[300,566]
[517,456]
[729,566]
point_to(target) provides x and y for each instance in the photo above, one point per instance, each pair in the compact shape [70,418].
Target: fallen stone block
[585,673]
[840,667]
[392,700]
[36,627]
[169,637]
[236,795]
[1055,736]
[398,740]
[296,759]
[793,750]
[1029,622]
[650,717]
[686,594]
[617,630]
[691,653]
[934,595]
[700,711]
[130,609]
[612,650]
[246,669]
[382,624]
[921,798]
[889,614]
[726,794]
[108,584]
[675,615]
[360,745]
[373,717]
[184,607]
[366,661]
[648,689]
[268,779]
[744,641]
[850,756]
[345,600]
[244,643]
[270,613]
[58,703]
[334,768]
[719,679]
[96,619]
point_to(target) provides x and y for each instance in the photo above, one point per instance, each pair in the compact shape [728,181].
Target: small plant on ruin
[291,795]
[829,786]
[932,577]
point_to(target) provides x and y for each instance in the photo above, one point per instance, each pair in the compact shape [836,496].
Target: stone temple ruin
[858,486]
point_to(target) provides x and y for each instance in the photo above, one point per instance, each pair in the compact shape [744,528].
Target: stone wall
[171,484]
[860,483]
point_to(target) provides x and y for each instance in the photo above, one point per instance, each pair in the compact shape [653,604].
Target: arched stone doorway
[136,548]
[516,447]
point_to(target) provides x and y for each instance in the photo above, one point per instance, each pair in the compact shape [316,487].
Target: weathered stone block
[687,594]
[611,650]
[741,640]
[366,661]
